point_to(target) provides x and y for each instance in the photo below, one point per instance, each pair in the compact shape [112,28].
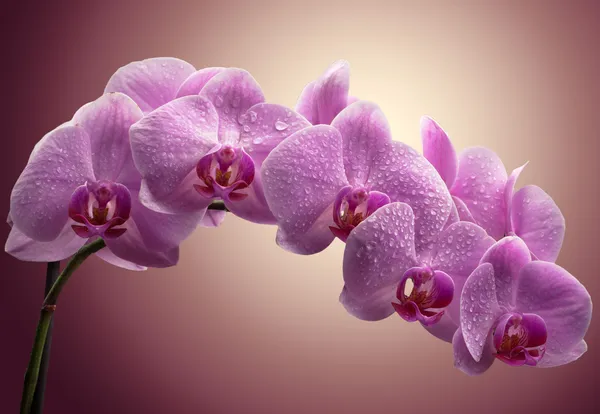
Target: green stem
[37,406]
[218,205]
[48,307]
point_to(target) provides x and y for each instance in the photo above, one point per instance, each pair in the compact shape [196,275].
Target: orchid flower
[80,184]
[484,194]
[154,82]
[520,311]
[385,270]
[323,99]
[323,181]
[211,146]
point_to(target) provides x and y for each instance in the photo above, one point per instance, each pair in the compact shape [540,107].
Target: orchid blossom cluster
[442,239]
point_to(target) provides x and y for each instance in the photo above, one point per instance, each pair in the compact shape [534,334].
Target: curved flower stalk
[324,180]
[154,82]
[323,99]
[80,184]
[520,311]
[483,193]
[385,271]
[211,146]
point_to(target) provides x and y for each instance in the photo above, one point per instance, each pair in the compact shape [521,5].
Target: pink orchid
[323,181]
[520,311]
[323,99]
[484,194]
[382,261]
[211,146]
[80,184]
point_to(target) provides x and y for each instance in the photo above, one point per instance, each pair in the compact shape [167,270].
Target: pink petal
[254,207]
[196,81]
[365,132]
[538,221]
[404,175]
[109,257]
[232,92]
[330,93]
[550,360]
[551,292]
[507,256]
[306,104]
[166,146]
[445,328]
[463,211]
[478,309]
[264,126]
[457,252]
[463,359]
[378,253]
[213,218]
[438,150]
[29,250]
[301,178]
[151,82]
[480,184]
[58,164]
[107,121]
[508,195]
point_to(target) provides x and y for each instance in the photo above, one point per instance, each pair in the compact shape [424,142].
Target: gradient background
[241,325]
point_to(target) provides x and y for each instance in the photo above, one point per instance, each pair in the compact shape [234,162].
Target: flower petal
[551,292]
[151,82]
[480,184]
[166,146]
[306,104]
[538,221]
[107,121]
[507,256]
[213,218]
[196,81]
[508,194]
[109,257]
[550,360]
[365,132]
[265,125]
[232,92]
[29,250]
[58,164]
[443,329]
[378,253]
[406,176]
[438,150]
[254,207]
[463,211]
[478,309]
[330,93]
[301,178]
[463,359]
[458,252]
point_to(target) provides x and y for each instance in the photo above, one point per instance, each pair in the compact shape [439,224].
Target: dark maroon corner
[240,326]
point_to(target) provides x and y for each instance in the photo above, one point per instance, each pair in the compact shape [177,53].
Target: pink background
[240,325]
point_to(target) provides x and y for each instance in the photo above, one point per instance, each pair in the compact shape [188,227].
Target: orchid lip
[431,293]
[100,207]
[520,339]
[352,205]
[224,172]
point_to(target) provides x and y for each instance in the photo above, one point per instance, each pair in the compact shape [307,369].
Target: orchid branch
[48,307]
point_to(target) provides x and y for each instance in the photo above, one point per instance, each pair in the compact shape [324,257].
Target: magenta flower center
[224,173]
[520,339]
[352,206]
[100,207]
[429,292]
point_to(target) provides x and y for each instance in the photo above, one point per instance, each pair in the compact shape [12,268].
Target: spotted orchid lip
[520,339]
[432,291]
[100,207]
[224,172]
[352,205]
